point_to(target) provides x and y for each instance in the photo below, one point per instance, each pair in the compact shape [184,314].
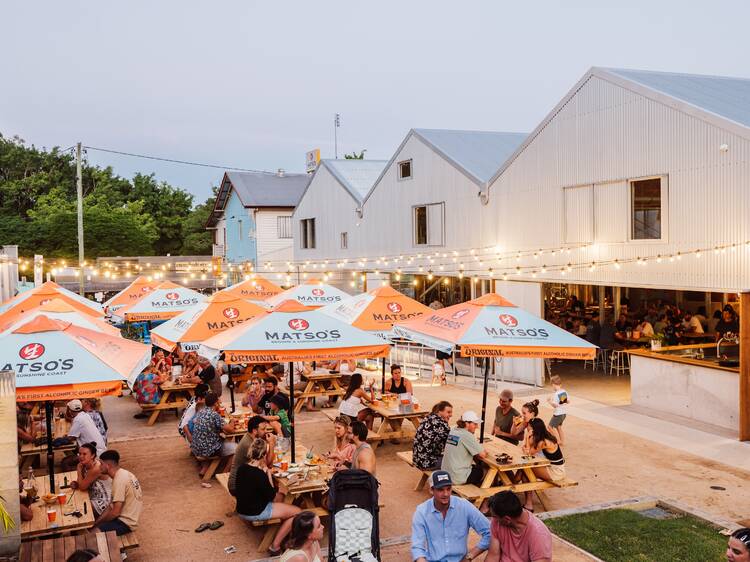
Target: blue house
[252,216]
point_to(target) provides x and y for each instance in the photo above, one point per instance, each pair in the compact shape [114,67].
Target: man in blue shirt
[440,526]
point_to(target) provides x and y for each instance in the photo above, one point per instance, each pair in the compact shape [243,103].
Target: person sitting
[594,329]
[257,499]
[660,324]
[25,502]
[645,328]
[254,394]
[354,400]
[147,389]
[160,364]
[207,440]
[23,426]
[123,512]
[738,546]
[729,324]
[257,428]
[505,414]
[529,411]
[343,448]
[542,440]
[208,375]
[397,384]
[303,543]
[82,430]
[195,405]
[190,368]
[462,449]
[91,407]
[622,325]
[90,477]
[271,385]
[515,534]
[429,440]
[691,324]
[279,418]
[363,457]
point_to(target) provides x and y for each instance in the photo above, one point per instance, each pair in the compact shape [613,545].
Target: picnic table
[40,525]
[392,424]
[173,397]
[60,548]
[29,451]
[319,383]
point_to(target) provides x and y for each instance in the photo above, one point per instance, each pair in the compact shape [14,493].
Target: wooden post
[602,310]
[744,373]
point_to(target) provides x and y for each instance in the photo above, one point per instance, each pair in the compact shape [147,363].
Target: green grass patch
[622,535]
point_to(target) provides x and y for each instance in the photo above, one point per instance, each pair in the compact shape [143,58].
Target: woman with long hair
[541,440]
[529,411]
[90,478]
[343,448]
[303,544]
[355,400]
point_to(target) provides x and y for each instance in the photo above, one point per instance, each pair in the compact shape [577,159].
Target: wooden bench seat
[408,458]
[476,495]
[128,541]
[212,466]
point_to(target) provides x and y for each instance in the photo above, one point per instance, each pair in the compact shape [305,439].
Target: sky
[256,84]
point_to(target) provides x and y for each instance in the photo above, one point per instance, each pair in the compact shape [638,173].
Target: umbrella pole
[484,396]
[291,405]
[382,370]
[50,412]
[230,383]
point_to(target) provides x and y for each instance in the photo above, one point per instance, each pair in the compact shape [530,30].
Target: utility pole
[79,190]
[336,125]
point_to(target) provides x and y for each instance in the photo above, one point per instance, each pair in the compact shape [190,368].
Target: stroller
[354,531]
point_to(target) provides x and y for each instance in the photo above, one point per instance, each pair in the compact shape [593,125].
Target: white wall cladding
[605,135]
[387,224]
[270,246]
[333,209]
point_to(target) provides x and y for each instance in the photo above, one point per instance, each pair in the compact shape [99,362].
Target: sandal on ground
[202,527]
[140,416]
[216,525]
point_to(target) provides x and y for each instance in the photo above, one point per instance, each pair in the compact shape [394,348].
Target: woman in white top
[304,540]
[645,328]
[353,403]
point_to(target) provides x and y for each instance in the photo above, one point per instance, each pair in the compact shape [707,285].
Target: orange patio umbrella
[190,328]
[257,288]
[131,293]
[58,309]
[19,305]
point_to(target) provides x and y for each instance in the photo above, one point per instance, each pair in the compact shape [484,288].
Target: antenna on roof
[336,125]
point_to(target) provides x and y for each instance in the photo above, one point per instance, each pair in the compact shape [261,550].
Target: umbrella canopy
[131,293]
[166,301]
[257,288]
[376,311]
[55,360]
[28,300]
[292,332]
[218,313]
[311,293]
[491,326]
[58,309]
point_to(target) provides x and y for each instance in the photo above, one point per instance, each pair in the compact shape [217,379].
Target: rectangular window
[404,170]
[284,227]
[646,205]
[344,240]
[428,221]
[307,233]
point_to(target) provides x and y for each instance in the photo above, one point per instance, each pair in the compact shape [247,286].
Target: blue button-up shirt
[439,539]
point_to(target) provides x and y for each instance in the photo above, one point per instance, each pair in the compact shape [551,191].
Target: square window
[404,170]
[646,204]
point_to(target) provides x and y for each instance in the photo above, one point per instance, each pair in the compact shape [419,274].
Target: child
[279,419]
[559,400]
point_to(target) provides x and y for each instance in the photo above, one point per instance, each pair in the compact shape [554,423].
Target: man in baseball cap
[82,430]
[445,515]
[462,449]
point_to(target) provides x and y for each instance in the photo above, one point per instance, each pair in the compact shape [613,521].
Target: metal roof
[259,189]
[721,95]
[356,176]
[478,153]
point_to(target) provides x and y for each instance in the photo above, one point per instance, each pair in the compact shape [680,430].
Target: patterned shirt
[206,431]
[429,441]
[146,390]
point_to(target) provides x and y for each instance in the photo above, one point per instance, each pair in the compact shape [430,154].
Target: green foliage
[355,156]
[142,216]
[623,535]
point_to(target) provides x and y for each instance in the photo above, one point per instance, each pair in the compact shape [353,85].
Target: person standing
[440,526]
[504,415]
[559,400]
[127,497]
[516,535]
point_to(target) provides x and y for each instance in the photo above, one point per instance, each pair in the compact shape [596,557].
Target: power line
[173,161]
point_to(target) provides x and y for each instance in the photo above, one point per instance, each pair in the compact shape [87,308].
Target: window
[404,170]
[428,223]
[344,240]
[284,227]
[646,205]
[307,233]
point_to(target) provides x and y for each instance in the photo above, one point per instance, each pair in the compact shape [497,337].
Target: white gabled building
[327,218]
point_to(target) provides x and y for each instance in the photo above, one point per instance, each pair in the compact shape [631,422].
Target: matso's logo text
[301,331]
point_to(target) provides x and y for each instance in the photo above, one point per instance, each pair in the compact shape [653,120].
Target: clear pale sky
[256,84]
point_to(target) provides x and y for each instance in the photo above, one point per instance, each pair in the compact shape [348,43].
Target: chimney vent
[280,172]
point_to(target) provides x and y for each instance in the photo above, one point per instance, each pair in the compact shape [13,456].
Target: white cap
[75,406]
[470,416]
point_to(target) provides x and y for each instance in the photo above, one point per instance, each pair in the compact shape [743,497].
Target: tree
[355,156]
[197,241]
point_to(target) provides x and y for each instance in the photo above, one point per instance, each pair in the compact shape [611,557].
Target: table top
[40,525]
[170,385]
[323,375]
[388,413]
[497,446]
[312,478]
